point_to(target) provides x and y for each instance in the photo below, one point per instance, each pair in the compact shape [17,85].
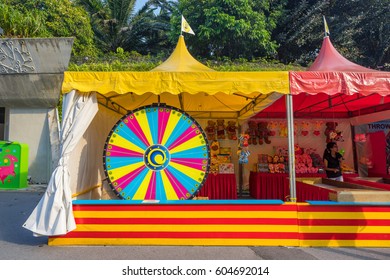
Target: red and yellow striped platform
[227,223]
[338,225]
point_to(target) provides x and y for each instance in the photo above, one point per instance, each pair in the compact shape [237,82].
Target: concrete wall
[30,126]
[31,75]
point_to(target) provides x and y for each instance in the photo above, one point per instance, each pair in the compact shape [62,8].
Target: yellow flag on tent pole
[185,27]
[327,33]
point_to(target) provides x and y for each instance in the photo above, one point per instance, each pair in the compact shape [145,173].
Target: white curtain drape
[53,215]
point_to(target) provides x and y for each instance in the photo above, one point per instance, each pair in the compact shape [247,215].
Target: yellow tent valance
[184,82]
[107,83]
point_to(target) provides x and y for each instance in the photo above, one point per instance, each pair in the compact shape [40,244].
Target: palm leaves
[117,26]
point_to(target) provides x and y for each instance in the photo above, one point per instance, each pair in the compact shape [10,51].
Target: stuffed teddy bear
[231,130]
[210,130]
[282,168]
[330,130]
[252,132]
[283,129]
[305,126]
[317,128]
[221,129]
[214,148]
[263,133]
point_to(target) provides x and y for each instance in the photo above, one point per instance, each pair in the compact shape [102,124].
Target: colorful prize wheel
[156,152]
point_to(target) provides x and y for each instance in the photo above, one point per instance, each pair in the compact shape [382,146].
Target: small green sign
[13,165]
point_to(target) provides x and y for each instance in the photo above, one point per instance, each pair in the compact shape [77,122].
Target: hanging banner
[377,126]
[385,127]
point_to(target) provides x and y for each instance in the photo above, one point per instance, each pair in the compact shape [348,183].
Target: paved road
[17,243]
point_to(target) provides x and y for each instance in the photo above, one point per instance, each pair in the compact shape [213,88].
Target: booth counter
[276,186]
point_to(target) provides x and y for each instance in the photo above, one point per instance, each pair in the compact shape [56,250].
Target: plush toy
[252,132]
[282,168]
[242,150]
[317,160]
[317,127]
[244,140]
[272,126]
[298,150]
[214,148]
[366,161]
[231,130]
[243,156]
[330,130]
[263,133]
[338,136]
[221,129]
[283,129]
[305,126]
[210,130]
[347,169]
[360,138]
[281,151]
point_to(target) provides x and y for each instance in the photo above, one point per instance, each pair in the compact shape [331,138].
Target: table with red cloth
[276,186]
[311,192]
[219,186]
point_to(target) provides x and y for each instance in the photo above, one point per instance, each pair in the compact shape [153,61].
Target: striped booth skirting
[228,223]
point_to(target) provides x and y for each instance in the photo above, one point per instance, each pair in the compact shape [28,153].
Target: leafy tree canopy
[48,18]
[229,27]
[359,29]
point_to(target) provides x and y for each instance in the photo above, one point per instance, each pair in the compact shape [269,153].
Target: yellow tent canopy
[183,82]
[181,61]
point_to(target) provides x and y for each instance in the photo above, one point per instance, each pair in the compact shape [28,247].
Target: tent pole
[240,169]
[291,152]
[240,179]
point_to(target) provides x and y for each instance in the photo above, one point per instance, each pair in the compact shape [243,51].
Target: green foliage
[21,23]
[48,18]
[151,27]
[253,65]
[359,29]
[233,34]
[109,20]
[115,61]
[133,61]
[230,28]
[116,25]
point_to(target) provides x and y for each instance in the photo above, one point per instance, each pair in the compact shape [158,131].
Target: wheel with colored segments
[156,152]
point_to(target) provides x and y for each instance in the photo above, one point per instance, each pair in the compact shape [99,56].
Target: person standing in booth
[332,161]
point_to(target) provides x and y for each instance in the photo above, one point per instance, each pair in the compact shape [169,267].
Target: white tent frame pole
[291,150]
